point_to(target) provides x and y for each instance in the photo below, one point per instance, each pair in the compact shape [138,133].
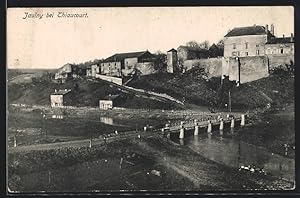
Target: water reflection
[235,153]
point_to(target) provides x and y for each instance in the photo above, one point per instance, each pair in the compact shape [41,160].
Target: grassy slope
[189,86]
[88,94]
[196,90]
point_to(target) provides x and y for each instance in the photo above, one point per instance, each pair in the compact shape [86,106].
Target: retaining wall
[212,66]
[110,79]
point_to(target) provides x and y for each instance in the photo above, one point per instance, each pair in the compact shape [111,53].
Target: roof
[122,56]
[192,48]
[172,50]
[61,92]
[250,30]
[280,40]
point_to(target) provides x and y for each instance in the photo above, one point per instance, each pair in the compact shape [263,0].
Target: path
[158,96]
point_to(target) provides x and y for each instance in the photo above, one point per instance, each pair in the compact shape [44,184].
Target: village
[246,54]
[199,116]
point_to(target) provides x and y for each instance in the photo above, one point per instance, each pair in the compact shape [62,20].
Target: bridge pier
[221,126]
[196,130]
[242,120]
[232,123]
[209,127]
[181,133]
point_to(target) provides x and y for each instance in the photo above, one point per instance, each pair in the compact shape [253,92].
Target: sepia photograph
[146,99]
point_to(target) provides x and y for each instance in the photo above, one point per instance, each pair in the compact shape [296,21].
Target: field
[135,164]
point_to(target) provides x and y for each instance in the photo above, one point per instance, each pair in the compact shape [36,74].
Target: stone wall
[251,68]
[110,79]
[111,68]
[278,60]
[130,63]
[213,66]
[146,68]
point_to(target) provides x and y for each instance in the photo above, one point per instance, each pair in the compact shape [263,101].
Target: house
[172,61]
[107,102]
[280,46]
[57,98]
[95,69]
[247,41]
[64,72]
[190,53]
[124,64]
[88,72]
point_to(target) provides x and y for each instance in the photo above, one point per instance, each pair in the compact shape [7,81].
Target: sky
[52,42]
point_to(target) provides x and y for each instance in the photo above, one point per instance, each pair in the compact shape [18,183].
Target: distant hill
[13,73]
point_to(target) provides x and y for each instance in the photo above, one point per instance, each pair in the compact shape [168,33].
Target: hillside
[191,87]
[85,93]
[277,89]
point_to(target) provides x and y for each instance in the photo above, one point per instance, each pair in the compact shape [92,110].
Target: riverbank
[148,164]
[272,129]
[43,125]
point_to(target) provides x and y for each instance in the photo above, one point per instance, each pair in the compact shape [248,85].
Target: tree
[203,45]
[160,60]
[220,44]
[193,44]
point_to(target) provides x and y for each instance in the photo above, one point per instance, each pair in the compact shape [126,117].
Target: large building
[190,53]
[247,41]
[124,64]
[280,46]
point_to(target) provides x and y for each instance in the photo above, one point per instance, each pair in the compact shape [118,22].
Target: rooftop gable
[250,30]
[281,40]
[121,56]
[61,92]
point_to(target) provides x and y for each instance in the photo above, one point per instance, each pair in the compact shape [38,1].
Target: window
[246,46]
[246,53]
[257,52]
[281,51]
[257,45]
[234,46]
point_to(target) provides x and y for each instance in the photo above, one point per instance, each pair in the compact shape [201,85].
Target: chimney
[283,36]
[272,29]
[267,28]
[292,37]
